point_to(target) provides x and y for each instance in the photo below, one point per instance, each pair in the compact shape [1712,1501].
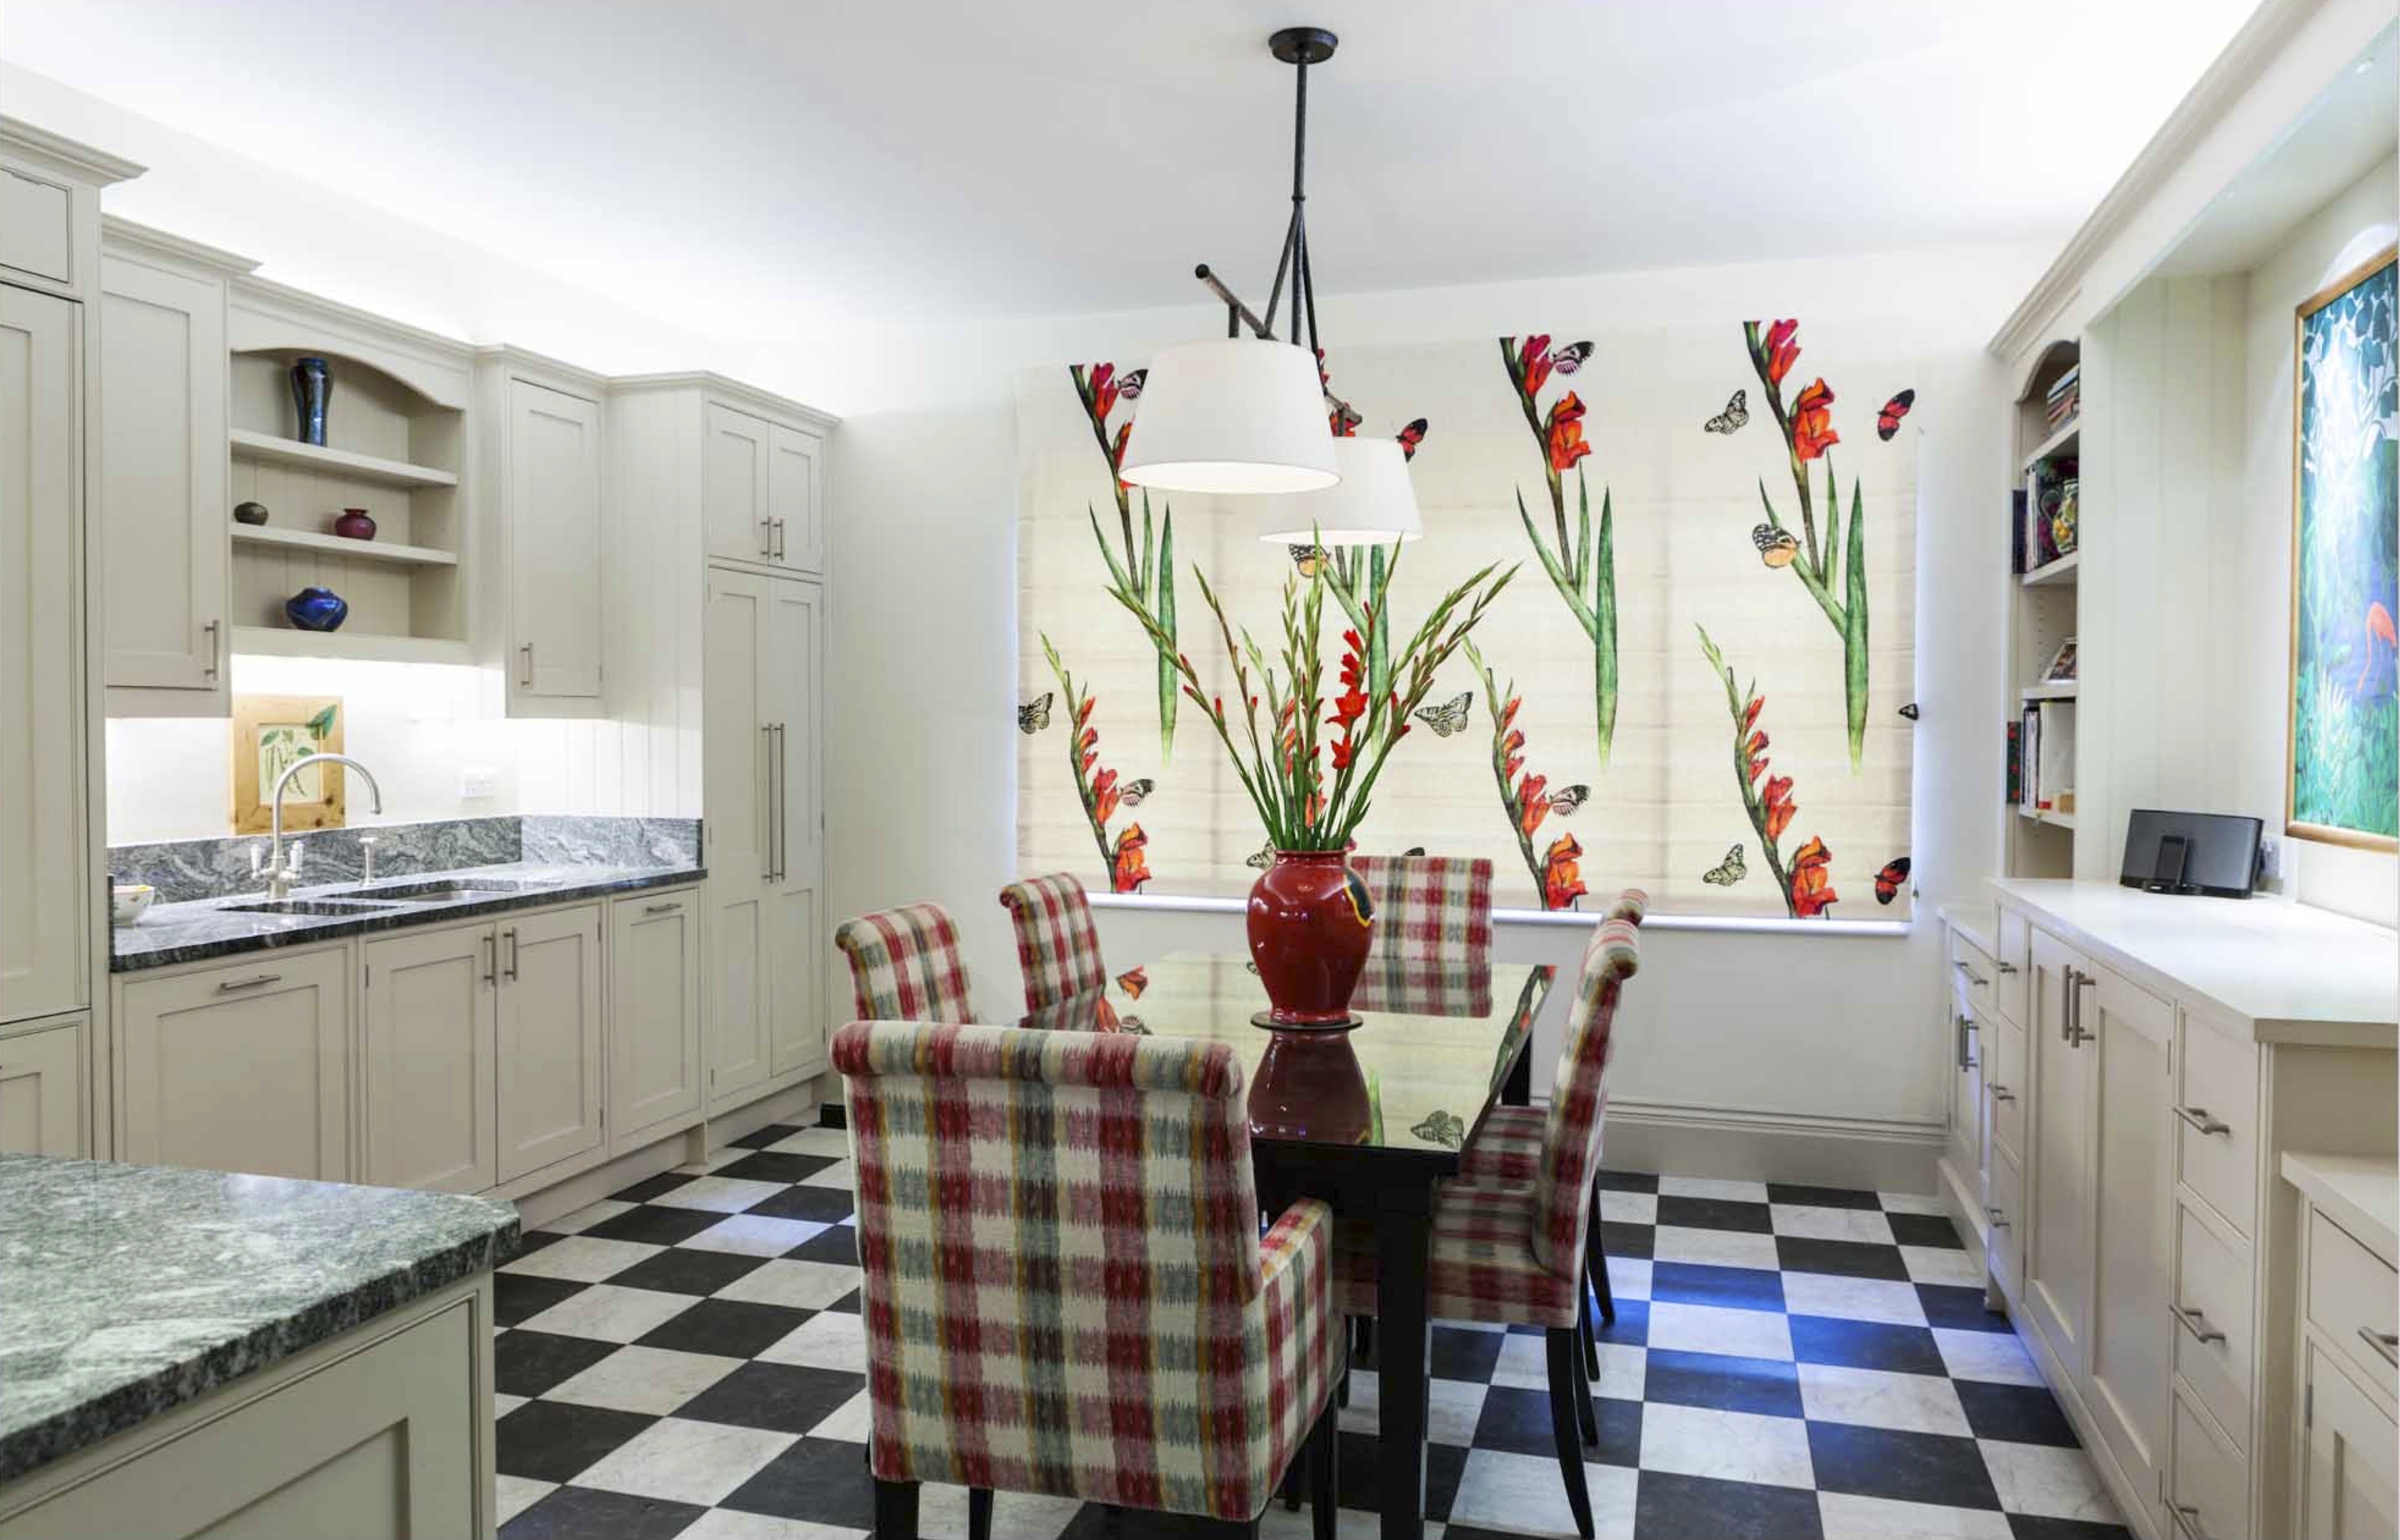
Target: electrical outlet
[2270,860]
[478,781]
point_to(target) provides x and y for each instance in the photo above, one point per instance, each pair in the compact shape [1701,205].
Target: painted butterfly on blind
[1134,793]
[1414,850]
[1775,547]
[1310,558]
[1725,873]
[1034,716]
[1888,881]
[1129,386]
[1341,417]
[1447,717]
[1887,420]
[1571,357]
[1411,436]
[1133,981]
[1565,800]
[1262,858]
[1735,417]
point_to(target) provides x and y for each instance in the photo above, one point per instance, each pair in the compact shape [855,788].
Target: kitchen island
[188,1351]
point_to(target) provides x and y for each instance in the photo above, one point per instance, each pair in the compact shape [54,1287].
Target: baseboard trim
[1746,1144]
[581,1190]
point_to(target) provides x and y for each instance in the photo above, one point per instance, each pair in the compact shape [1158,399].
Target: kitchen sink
[437,890]
[332,908]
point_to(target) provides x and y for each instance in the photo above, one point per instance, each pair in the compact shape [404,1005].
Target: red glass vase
[1310,1087]
[1310,919]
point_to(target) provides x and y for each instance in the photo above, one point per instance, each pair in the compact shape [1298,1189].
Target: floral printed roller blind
[1693,685]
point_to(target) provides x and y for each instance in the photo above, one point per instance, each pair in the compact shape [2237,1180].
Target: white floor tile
[1710,1329]
[1849,1518]
[1714,1247]
[581,1259]
[803,1286]
[2048,1482]
[1852,1299]
[1911,1203]
[1712,1187]
[1628,1207]
[1624,1370]
[815,1141]
[687,1462]
[841,1173]
[1525,1365]
[728,1524]
[942,1514]
[1454,1407]
[1276,1524]
[608,1314]
[1872,1397]
[1806,1221]
[643,1379]
[585,1218]
[1523,1494]
[724,1195]
[503,1404]
[1727,1446]
[519,1492]
[1628,1277]
[852,1422]
[1941,1264]
[1995,1355]
[756,1235]
[833,1340]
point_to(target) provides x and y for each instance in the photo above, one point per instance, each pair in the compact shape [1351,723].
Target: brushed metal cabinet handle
[511,934]
[232,986]
[2006,967]
[2197,1324]
[2386,1345]
[490,947]
[1966,1052]
[214,630]
[526,677]
[2001,1093]
[767,772]
[2198,1117]
[783,808]
[2187,1519]
[1971,975]
[766,539]
[1999,1221]
[662,909]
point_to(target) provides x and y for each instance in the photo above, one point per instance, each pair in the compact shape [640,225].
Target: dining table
[1439,1047]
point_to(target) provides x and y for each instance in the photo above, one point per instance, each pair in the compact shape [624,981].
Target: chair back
[1630,906]
[1058,1237]
[1570,1159]
[1058,946]
[1433,919]
[904,964]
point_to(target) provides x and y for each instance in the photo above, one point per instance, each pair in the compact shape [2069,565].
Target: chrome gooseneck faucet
[281,878]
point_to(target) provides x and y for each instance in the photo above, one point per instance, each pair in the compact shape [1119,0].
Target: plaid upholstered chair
[1058,946]
[1513,1255]
[904,964]
[1065,1288]
[1433,919]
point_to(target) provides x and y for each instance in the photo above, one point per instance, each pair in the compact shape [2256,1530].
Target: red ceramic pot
[1309,1086]
[355,525]
[1310,918]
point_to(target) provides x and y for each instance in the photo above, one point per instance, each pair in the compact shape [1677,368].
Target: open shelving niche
[2042,612]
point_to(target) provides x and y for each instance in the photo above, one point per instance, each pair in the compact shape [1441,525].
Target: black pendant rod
[1299,46]
[1296,239]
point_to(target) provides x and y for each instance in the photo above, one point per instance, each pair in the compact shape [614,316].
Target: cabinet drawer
[2003,1247]
[37,227]
[2004,1081]
[2016,956]
[2216,1111]
[2353,1299]
[1972,967]
[2212,1302]
[2208,1485]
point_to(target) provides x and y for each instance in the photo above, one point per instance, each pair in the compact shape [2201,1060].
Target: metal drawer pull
[2001,1093]
[1966,1055]
[231,985]
[1973,976]
[2006,967]
[2385,1344]
[2197,1324]
[492,966]
[215,633]
[1999,1221]
[2198,1117]
[526,679]
[511,934]
[2187,1519]
[662,909]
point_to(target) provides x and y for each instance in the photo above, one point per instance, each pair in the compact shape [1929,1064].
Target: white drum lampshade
[1233,414]
[1375,503]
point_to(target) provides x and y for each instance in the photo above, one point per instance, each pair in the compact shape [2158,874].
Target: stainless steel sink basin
[436,890]
[331,908]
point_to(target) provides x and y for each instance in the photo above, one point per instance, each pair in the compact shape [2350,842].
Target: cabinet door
[796,941]
[2132,1348]
[42,1093]
[1966,1090]
[432,1059]
[44,864]
[2347,1491]
[654,963]
[796,498]
[550,1041]
[163,479]
[244,1067]
[2058,1207]
[738,824]
[554,542]
[734,496]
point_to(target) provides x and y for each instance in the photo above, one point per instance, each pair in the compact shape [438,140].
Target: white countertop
[1977,922]
[2287,972]
[2359,1192]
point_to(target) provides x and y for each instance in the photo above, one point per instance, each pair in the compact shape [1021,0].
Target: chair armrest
[1302,1231]
[1305,1339]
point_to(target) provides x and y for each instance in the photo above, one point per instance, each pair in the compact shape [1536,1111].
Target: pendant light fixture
[1374,505]
[1247,413]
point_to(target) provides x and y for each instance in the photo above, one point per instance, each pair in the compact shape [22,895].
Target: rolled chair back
[1570,1159]
[1058,946]
[904,964]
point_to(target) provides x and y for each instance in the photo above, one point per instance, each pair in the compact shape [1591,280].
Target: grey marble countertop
[128,1290]
[207,928]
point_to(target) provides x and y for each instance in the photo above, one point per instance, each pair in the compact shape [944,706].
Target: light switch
[478,781]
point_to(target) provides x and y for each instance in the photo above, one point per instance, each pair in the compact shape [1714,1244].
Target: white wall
[1816,1033]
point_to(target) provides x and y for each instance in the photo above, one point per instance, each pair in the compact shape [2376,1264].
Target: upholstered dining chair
[1058,946]
[904,964]
[1513,1254]
[1433,919]
[1064,1285]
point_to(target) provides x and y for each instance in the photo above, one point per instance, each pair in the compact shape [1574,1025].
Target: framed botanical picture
[270,732]
[2345,681]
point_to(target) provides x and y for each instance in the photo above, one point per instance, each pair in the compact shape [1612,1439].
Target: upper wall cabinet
[163,471]
[764,485]
[543,538]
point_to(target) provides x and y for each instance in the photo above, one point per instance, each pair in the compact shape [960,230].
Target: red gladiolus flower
[1509,712]
[1566,432]
[1562,883]
[1104,390]
[1812,422]
[1756,750]
[1343,752]
[1749,712]
[1130,871]
[1782,350]
[1812,889]
[1531,806]
[1534,363]
[1104,796]
[1777,806]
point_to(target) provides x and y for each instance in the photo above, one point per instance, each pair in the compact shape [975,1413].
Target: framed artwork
[269,733]
[2062,664]
[2345,682]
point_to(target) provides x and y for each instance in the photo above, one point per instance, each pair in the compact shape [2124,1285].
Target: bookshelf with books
[2045,514]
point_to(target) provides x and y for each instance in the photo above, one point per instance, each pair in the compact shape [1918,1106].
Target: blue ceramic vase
[313,386]
[317,610]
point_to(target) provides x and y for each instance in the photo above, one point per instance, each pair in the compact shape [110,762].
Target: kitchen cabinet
[764,491]
[796,1036]
[432,1058]
[655,963]
[2348,1478]
[43,1097]
[2346,1325]
[240,1067]
[544,532]
[2130,1033]
[551,1056]
[2059,1206]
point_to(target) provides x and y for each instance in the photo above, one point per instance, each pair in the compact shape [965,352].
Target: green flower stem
[1491,703]
[1750,801]
[1076,760]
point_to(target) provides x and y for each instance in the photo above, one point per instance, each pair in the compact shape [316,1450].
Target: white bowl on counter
[129,901]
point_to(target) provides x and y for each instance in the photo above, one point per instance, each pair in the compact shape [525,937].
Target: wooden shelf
[2063,690]
[2045,815]
[2059,569]
[2058,440]
[342,546]
[279,642]
[248,444]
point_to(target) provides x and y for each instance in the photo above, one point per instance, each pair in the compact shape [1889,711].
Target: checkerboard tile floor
[686,1359]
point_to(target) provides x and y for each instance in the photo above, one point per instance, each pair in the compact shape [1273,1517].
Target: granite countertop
[128,1290]
[206,928]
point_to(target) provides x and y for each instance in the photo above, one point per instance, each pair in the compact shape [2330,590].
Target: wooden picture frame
[268,732]
[2306,665]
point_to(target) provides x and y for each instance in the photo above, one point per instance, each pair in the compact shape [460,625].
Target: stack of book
[2066,397]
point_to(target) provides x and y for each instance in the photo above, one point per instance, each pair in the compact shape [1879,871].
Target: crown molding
[122,235]
[68,156]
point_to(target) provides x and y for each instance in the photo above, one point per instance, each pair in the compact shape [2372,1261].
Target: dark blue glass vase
[317,610]
[313,386]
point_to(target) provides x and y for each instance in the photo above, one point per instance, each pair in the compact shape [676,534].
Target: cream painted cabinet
[432,1058]
[551,1037]
[2058,1207]
[2346,1484]
[43,1098]
[796,498]
[245,1067]
[2130,1033]
[44,911]
[795,1037]
[543,533]
[739,519]
[655,962]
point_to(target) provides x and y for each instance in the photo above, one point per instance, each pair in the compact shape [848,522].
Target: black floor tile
[821,1480]
[774,1133]
[2016,1414]
[849,1305]
[779,1398]
[554,1441]
[655,1224]
[1842,1258]
[517,1297]
[1361,1477]
[1716,1213]
[767,1165]
[1628,1181]
[2026,1526]
[1631,1326]
[1866,1344]
[1517,1421]
[838,1244]
[578,1513]
[823,1205]
[1723,1383]
[680,1270]
[531,1241]
[1925,1230]
[1460,1353]
[651,1186]
[1733,1287]
[1959,1308]
[528,1363]
[1820,1197]
[1677,1507]
[731,1329]
[1909,1468]
[1626,1240]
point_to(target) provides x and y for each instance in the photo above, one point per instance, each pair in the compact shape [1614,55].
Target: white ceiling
[816,163]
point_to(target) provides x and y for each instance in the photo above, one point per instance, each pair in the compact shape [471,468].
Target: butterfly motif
[1725,873]
[1571,357]
[1411,436]
[1133,793]
[1261,858]
[1133,1026]
[1565,800]
[1734,418]
[1414,850]
[1310,558]
[1887,420]
[1775,547]
[1450,716]
[1341,417]
[1032,716]
[1129,386]
[1888,881]
[1440,1128]
[1133,981]
[1910,711]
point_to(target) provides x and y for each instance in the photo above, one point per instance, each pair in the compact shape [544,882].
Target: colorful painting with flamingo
[2345,725]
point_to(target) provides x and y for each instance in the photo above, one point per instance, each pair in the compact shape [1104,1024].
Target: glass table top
[1434,1055]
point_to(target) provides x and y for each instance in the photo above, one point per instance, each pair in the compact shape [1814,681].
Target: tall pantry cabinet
[53,891]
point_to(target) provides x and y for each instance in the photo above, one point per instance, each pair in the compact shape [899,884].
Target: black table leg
[1403,1245]
[1517,1090]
